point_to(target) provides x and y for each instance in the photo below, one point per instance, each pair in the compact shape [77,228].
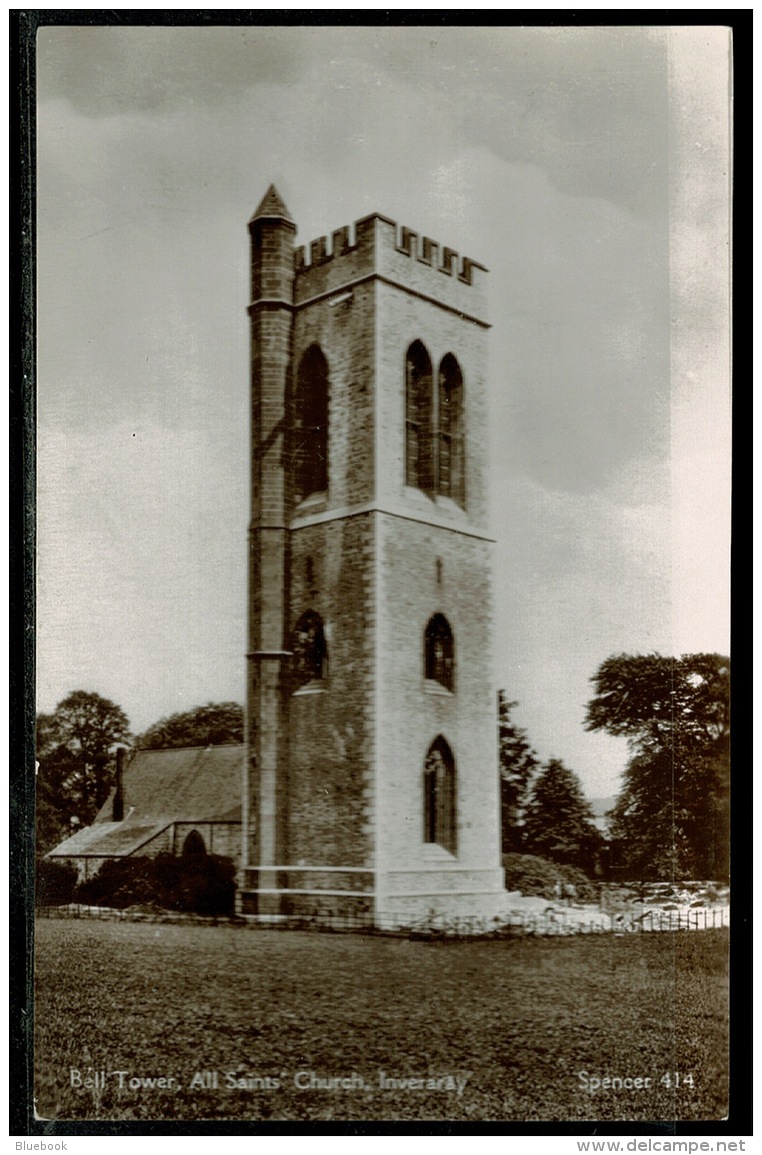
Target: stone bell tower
[371,778]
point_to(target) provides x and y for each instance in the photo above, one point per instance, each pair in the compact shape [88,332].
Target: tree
[76,765]
[518,762]
[215,724]
[558,819]
[672,815]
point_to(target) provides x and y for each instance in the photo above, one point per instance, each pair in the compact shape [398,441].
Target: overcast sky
[587,168]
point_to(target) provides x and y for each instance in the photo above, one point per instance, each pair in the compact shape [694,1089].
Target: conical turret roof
[272,206]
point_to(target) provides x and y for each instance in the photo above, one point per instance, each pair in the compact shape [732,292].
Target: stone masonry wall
[376,559]
[346,334]
[402,319]
[377,244]
[331,722]
[413,712]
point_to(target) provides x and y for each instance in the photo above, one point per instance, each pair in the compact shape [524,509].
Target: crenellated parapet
[376,246]
[437,256]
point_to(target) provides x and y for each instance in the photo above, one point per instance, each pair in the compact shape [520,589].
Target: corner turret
[271,232]
[272,207]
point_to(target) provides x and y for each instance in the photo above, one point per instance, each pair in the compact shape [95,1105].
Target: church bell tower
[371,776]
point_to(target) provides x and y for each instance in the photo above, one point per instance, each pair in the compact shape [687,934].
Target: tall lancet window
[310,425]
[440,820]
[419,449]
[450,479]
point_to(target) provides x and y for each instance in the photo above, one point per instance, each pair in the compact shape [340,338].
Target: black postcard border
[22,435]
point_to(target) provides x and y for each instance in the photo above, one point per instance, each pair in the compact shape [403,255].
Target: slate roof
[272,206]
[109,839]
[160,787]
[203,783]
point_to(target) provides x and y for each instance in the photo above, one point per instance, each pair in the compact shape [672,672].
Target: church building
[371,779]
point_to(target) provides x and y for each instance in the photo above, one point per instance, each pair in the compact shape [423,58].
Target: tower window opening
[310,649]
[439,658]
[310,425]
[450,465]
[419,466]
[439,799]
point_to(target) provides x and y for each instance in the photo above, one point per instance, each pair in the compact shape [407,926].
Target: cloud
[586,105]
[110,71]
[541,153]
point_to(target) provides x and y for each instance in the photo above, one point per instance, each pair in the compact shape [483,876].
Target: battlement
[426,251]
[376,245]
[349,238]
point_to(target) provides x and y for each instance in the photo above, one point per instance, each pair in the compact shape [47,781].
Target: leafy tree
[672,814]
[75,762]
[216,724]
[518,762]
[558,819]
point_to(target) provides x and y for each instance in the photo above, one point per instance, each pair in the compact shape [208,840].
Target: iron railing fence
[433,926]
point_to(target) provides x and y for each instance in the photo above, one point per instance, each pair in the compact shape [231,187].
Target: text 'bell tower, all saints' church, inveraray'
[371,771]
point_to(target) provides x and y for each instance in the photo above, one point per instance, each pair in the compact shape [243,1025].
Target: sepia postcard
[383,427]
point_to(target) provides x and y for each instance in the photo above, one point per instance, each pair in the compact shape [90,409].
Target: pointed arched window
[450,472]
[419,465]
[439,655]
[310,649]
[310,425]
[440,821]
[194,846]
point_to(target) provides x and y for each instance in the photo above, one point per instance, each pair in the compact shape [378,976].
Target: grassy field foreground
[247,1024]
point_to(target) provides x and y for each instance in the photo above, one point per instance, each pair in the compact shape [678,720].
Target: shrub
[118,883]
[532,875]
[193,884]
[55,882]
[205,885]
[587,891]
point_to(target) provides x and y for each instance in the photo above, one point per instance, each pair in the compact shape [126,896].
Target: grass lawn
[518,1019]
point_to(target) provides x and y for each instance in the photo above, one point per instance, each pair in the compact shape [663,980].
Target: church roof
[109,839]
[201,784]
[160,787]
[272,205]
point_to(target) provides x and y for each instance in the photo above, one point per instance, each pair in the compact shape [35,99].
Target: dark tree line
[672,817]
[543,809]
[76,754]
[75,758]
[216,724]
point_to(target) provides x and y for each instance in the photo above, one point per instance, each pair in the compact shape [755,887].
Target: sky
[586,167]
